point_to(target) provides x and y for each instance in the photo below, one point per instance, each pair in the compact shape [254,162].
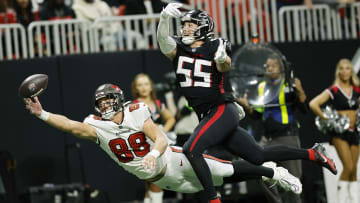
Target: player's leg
[245,146]
[241,170]
[212,129]
[147,197]
[155,193]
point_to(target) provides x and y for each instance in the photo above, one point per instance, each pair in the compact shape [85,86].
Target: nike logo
[323,157]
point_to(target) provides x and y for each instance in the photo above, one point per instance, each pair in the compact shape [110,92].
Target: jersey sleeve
[332,91]
[356,89]
[91,120]
[140,112]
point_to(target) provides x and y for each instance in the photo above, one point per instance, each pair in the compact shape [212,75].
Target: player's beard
[187,40]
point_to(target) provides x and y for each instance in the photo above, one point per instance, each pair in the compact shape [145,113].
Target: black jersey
[341,101]
[197,76]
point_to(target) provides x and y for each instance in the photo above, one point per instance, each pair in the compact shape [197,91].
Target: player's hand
[220,55]
[35,108]
[171,10]
[149,162]
[241,111]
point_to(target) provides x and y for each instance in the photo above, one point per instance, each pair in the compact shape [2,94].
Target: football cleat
[322,159]
[217,200]
[283,178]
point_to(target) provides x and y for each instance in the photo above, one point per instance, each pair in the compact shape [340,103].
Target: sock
[147,200]
[156,197]
[311,154]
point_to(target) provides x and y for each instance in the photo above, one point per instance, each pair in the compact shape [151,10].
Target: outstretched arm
[166,42]
[61,122]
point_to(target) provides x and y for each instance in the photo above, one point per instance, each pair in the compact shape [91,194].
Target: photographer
[280,126]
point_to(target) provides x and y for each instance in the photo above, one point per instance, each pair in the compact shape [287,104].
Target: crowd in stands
[27,11]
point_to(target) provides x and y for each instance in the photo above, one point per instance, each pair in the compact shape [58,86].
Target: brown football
[33,85]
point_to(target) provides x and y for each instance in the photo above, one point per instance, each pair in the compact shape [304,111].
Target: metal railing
[298,23]
[60,37]
[12,42]
[346,20]
[235,20]
[238,20]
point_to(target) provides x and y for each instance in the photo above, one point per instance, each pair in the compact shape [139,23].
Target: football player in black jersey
[200,62]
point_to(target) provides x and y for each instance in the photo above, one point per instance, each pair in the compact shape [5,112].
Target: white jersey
[125,143]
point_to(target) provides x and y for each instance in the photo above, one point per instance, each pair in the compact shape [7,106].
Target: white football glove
[171,10]
[220,55]
[241,111]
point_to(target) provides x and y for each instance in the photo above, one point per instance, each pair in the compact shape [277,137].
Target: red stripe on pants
[216,116]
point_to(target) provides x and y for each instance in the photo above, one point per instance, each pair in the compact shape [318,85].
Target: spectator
[308,3]
[134,7]
[55,10]
[24,12]
[91,10]
[143,7]
[7,15]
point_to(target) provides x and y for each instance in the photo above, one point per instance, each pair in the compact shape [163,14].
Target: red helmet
[109,91]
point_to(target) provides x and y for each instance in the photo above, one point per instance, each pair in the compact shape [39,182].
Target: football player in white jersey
[128,135]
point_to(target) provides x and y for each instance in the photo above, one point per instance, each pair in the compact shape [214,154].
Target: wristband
[155,153]
[44,115]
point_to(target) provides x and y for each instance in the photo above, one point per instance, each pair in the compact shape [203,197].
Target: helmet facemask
[109,102]
[204,28]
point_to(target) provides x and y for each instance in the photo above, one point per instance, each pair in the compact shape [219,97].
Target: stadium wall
[40,150]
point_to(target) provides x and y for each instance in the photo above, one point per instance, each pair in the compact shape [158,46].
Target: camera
[168,85]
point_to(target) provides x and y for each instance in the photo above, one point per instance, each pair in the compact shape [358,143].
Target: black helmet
[203,20]
[109,91]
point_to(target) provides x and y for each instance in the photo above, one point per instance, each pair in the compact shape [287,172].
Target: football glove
[171,10]
[220,55]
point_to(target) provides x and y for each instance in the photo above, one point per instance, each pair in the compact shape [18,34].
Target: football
[33,85]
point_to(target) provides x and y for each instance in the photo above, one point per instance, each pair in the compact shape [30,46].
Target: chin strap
[187,40]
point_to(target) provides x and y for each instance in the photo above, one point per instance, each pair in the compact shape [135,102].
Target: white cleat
[283,178]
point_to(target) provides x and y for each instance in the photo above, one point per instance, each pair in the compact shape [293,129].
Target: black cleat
[322,159]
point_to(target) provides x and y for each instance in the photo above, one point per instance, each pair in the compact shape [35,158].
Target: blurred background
[81,44]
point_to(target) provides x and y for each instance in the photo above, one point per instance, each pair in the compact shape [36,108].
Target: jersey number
[190,74]
[136,141]
[133,107]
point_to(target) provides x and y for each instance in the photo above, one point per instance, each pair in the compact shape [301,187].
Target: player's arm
[166,42]
[222,60]
[61,122]
[317,102]
[152,131]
